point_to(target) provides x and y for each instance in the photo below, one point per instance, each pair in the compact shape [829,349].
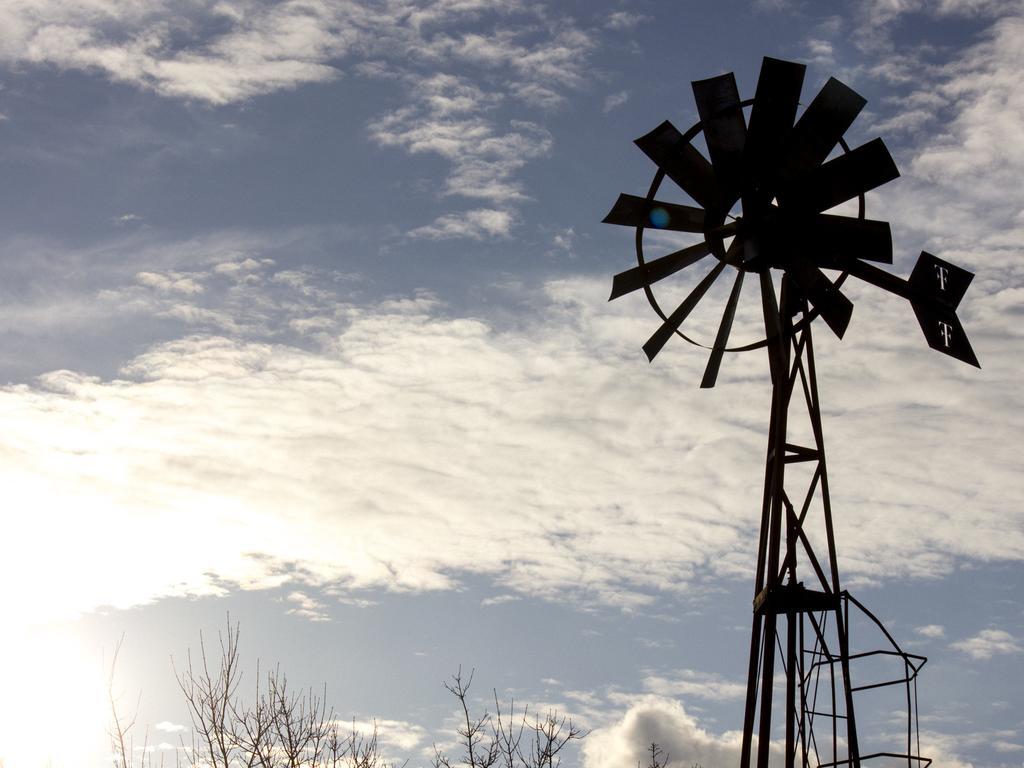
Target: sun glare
[57,711]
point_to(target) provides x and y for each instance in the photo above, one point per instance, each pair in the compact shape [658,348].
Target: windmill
[761,195]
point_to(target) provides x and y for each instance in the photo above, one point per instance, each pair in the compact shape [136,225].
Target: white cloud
[615,100]
[233,50]
[820,52]
[563,243]
[400,735]
[537,95]
[624,20]
[170,282]
[983,141]
[944,749]
[1007,746]
[306,606]
[166,726]
[906,121]
[475,225]
[446,95]
[988,643]
[368,448]
[654,719]
[223,51]
[264,47]
[887,11]
[931,631]
[242,266]
[689,684]
[557,400]
[499,600]
[558,59]
[483,157]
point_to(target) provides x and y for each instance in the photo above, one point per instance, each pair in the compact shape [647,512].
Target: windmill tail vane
[757,204]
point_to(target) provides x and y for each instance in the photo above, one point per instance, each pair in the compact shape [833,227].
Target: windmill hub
[758,229]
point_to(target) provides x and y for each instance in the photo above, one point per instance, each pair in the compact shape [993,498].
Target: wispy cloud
[476,225]
[166,726]
[225,52]
[624,20]
[886,11]
[360,444]
[983,139]
[171,282]
[484,158]
[564,243]
[263,48]
[478,128]
[306,606]
[499,600]
[452,118]
[690,684]
[419,417]
[231,50]
[988,643]
[615,100]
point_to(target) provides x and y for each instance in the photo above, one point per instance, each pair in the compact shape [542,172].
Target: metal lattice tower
[761,197]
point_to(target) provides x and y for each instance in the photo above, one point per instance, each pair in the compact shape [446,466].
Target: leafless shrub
[280,727]
[486,742]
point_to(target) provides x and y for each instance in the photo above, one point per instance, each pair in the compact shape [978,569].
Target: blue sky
[304,318]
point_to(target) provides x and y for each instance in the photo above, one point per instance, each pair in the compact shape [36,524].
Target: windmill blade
[725,130]
[661,336]
[682,163]
[860,170]
[869,273]
[771,121]
[722,339]
[830,241]
[633,211]
[834,308]
[653,271]
[821,126]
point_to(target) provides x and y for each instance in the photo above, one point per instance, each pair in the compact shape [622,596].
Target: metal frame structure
[806,629]
[782,171]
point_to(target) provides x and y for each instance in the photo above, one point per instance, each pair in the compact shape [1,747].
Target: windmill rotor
[777,169]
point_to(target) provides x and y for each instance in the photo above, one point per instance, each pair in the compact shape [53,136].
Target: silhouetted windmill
[761,197]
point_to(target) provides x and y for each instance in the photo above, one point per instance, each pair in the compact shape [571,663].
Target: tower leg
[751,708]
[782,545]
[791,675]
